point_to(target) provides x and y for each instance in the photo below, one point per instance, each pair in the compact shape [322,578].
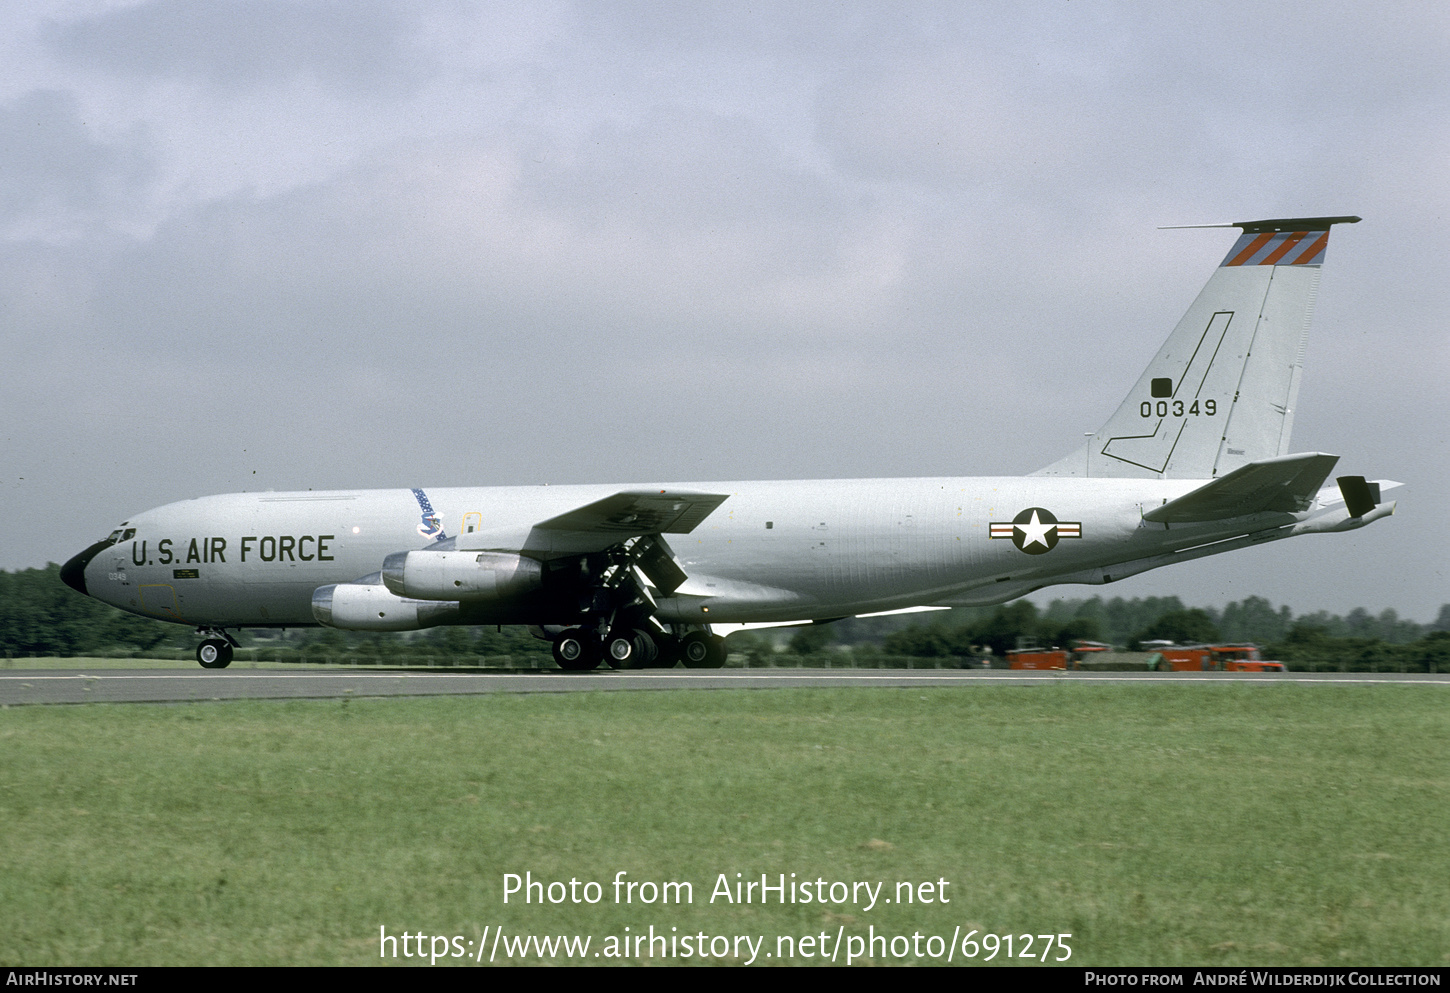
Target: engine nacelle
[357,607]
[427,575]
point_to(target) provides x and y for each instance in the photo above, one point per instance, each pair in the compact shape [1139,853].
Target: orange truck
[1243,658]
[1038,658]
[1206,658]
[1051,658]
[1186,658]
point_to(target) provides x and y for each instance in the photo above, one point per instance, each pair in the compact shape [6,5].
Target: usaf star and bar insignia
[1035,530]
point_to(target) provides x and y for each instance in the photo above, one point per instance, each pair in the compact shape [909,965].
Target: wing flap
[1285,485]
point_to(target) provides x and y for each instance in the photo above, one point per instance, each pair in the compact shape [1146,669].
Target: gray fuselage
[772,551]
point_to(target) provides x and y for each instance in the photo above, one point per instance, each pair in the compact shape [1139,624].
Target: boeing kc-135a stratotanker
[1195,462]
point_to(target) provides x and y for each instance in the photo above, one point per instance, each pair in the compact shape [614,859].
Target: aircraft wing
[505,561]
[631,513]
[636,512]
[1285,484]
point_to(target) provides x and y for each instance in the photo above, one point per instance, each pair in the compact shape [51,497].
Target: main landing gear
[616,610]
[214,652]
[581,649]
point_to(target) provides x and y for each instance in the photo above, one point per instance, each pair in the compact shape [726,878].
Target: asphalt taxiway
[48,686]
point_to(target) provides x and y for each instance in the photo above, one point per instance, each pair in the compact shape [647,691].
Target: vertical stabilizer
[1221,391]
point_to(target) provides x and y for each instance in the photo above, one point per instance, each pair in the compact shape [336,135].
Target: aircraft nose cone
[73,573]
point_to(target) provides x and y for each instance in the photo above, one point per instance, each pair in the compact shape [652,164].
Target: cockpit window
[130,533]
[114,536]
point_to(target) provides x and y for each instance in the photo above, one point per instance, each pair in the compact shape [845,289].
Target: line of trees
[1307,646]
[1359,642]
[39,615]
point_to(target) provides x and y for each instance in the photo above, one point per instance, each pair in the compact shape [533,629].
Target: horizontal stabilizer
[1285,485]
[639,512]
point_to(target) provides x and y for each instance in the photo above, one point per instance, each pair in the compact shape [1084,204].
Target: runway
[50,686]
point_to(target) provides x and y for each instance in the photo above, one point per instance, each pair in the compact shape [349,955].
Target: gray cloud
[356,46]
[588,244]
[57,179]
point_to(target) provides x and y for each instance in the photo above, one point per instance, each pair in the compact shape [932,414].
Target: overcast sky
[280,245]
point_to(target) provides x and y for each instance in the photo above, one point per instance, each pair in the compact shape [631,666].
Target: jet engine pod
[357,607]
[428,575]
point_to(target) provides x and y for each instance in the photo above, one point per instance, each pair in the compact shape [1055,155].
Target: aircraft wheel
[214,654]
[648,649]
[699,650]
[618,650]
[630,649]
[621,652]
[576,651]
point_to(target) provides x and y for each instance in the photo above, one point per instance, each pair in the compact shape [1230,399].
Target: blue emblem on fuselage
[432,525]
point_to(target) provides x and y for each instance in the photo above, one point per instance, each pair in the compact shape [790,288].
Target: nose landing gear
[215,652]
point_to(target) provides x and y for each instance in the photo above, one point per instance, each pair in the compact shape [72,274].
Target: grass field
[1162,824]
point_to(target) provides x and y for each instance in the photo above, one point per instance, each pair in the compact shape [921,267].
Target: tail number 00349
[1177,408]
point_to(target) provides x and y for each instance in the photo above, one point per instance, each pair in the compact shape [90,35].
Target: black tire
[647,650]
[695,649]
[630,648]
[576,651]
[620,651]
[214,654]
[699,650]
